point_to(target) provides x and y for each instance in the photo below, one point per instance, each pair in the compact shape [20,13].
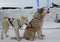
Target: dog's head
[43,11]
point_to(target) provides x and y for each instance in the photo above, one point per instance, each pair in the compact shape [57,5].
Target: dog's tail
[6,17]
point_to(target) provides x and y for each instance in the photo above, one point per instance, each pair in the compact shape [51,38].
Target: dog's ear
[22,16]
[40,10]
[25,17]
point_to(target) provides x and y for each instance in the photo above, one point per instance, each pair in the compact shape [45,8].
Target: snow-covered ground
[51,25]
[51,35]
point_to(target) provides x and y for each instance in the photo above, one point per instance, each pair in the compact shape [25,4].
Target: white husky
[16,23]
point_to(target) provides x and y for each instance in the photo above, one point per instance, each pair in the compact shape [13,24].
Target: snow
[51,25]
[51,35]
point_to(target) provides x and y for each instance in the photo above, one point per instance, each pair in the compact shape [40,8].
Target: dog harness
[11,20]
[40,19]
[30,27]
[18,24]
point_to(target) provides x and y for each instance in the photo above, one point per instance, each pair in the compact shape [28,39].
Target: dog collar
[40,19]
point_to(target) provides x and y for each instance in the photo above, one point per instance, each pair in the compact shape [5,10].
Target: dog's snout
[47,11]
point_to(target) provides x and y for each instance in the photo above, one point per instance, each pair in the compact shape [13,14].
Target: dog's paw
[1,38]
[14,38]
[43,35]
[19,39]
[7,36]
[41,38]
[30,39]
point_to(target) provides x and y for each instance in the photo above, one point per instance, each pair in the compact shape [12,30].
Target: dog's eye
[48,9]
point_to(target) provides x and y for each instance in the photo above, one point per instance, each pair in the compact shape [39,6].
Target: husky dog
[29,33]
[35,25]
[16,23]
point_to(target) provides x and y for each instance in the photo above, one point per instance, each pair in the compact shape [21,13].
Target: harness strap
[19,24]
[11,21]
[30,27]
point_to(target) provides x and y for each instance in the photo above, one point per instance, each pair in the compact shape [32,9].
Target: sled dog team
[33,27]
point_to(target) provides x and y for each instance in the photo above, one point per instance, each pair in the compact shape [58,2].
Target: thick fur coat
[15,23]
[37,23]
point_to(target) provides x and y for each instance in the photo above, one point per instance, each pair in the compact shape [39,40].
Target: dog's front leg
[17,35]
[39,32]
[2,35]
[16,29]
